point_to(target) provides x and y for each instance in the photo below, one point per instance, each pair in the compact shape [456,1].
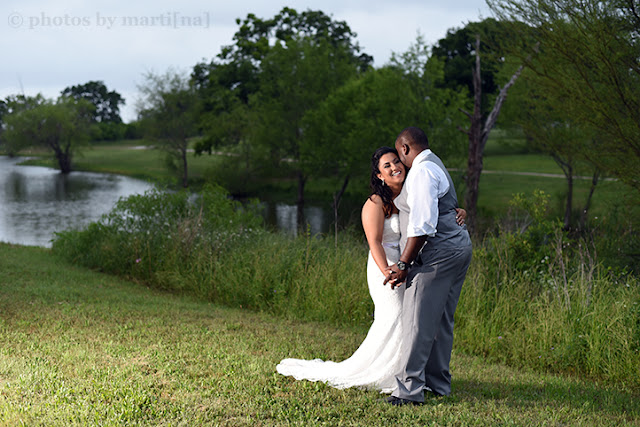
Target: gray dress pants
[433,288]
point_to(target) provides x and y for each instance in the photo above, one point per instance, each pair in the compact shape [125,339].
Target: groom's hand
[395,276]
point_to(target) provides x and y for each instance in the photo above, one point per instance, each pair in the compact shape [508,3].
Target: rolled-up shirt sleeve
[425,185]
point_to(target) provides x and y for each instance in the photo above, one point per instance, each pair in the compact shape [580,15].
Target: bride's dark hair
[377,187]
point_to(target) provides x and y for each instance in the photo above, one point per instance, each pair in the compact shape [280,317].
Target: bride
[375,363]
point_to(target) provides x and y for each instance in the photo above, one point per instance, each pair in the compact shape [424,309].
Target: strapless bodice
[391,232]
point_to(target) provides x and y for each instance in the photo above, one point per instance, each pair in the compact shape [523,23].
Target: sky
[50,45]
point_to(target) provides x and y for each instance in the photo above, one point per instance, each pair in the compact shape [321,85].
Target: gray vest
[448,233]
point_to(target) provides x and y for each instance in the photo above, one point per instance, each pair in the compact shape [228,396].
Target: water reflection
[286,219]
[35,201]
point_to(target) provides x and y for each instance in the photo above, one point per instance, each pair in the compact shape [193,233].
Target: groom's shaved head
[414,137]
[411,142]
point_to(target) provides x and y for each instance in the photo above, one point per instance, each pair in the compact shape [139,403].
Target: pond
[36,202]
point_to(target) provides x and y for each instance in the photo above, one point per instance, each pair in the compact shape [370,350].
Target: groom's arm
[411,249]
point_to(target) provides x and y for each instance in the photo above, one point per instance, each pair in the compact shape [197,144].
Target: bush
[147,236]
[535,297]
[107,131]
[213,247]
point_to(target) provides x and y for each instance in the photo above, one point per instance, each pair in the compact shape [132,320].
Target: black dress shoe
[397,401]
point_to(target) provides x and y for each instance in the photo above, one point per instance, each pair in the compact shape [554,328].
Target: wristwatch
[402,266]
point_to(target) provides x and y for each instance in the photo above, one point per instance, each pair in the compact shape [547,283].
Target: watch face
[402,266]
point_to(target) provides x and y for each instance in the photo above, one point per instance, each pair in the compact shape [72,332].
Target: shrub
[536,297]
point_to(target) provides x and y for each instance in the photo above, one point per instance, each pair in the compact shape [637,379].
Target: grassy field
[83,348]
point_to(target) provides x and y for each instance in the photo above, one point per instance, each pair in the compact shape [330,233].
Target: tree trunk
[567,169]
[478,137]
[587,205]
[474,162]
[185,174]
[63,156]
[336,203]
[64,162]
[569,206]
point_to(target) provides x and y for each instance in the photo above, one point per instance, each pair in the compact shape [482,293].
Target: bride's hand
[461,215]
[394,276]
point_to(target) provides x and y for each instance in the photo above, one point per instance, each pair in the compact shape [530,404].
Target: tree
[368,112]
[61,126]
[294,79]
[587,57]
[276,70]
[342,132]
[106,122]
[478,133]
[107,103]
[548,128]
[4,109]
[458,51]
[168,110]
[439,105]
[13,104]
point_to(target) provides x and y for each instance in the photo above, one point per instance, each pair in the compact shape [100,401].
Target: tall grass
[215,248]
[533,297]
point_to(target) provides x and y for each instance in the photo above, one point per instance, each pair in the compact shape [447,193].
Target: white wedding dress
[376,362]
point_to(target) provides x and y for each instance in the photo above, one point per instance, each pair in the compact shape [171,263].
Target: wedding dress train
[376,362]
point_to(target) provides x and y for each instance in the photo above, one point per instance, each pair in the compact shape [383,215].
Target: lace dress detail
[374,364]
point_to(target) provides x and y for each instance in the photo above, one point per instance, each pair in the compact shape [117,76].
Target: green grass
[532,162]
[496,190]
[84,348]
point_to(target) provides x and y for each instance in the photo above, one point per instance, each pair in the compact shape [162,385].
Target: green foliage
[535,297]
[61,126]
[585,56]
[216,249]
[168,112]
[227,84]
[106,103]
[352,122]
[369,111]
[109,131]
[294,79]
[10,107]
[524,236]
[457,51]
[154,237]
[257,91]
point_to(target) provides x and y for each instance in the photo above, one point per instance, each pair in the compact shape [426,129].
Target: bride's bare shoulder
[373,205]
[374,200]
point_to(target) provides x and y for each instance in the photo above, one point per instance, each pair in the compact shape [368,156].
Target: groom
[436,253]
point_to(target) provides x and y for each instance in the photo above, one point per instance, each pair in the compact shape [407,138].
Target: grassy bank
[84,348]
[534,298]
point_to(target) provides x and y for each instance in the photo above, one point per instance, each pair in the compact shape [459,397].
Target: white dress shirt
[426,182]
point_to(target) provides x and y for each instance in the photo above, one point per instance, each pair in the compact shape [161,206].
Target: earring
[382,179]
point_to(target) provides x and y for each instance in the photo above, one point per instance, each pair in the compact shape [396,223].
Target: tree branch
[466,113]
